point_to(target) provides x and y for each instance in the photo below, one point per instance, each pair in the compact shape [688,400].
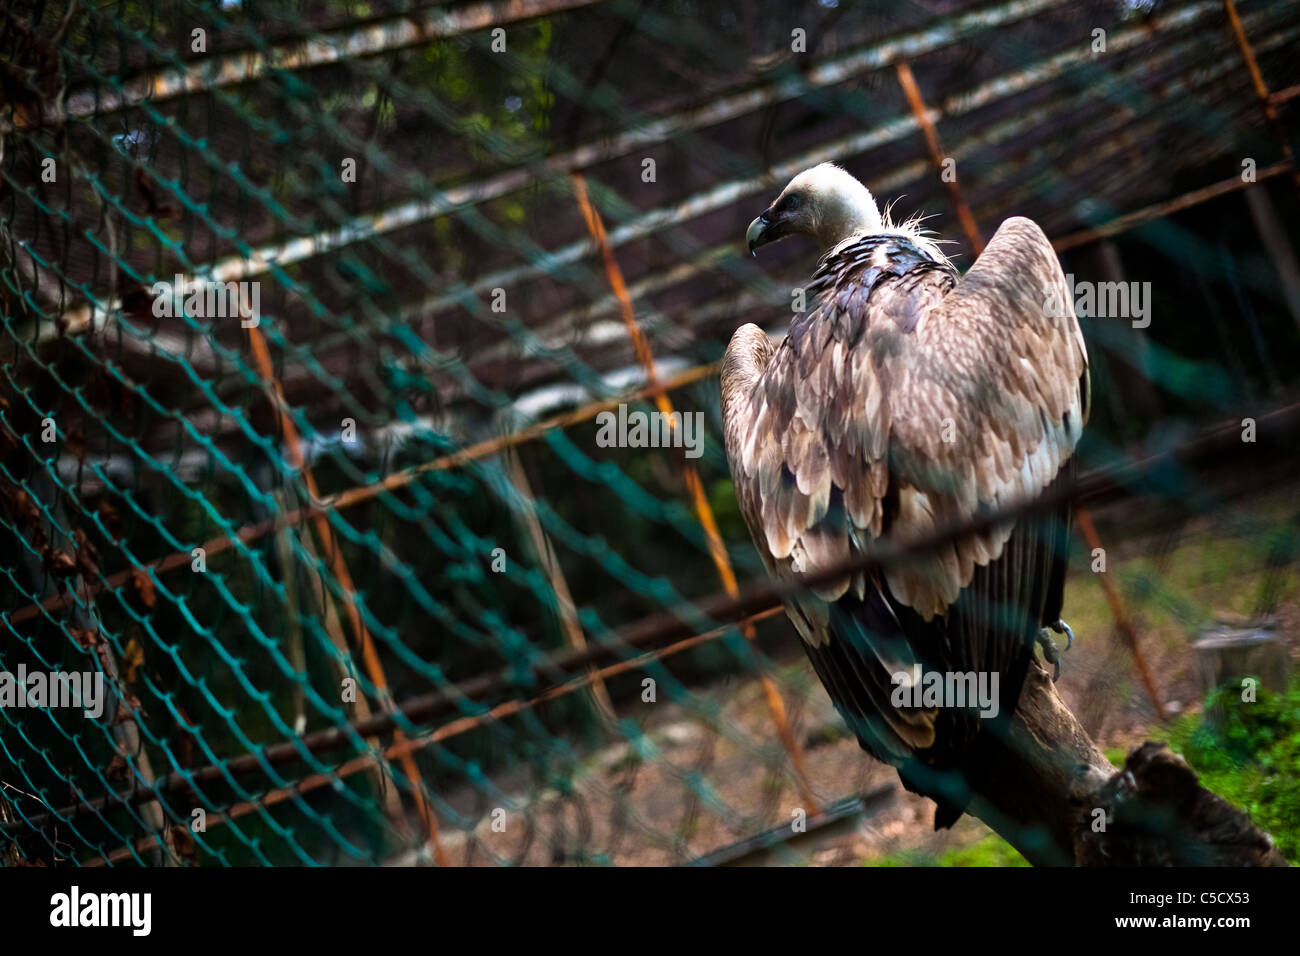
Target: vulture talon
[1060,627]
[1051,653]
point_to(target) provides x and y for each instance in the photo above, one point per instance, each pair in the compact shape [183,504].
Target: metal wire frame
[975,96]
[254,261]
[720,612]
[384,36]
[490,447]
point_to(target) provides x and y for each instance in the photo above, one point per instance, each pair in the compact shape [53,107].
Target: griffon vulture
[908,398]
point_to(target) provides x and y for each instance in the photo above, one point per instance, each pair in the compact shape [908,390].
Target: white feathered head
[830,206]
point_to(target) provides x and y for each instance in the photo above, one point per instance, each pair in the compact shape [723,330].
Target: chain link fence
[311,315]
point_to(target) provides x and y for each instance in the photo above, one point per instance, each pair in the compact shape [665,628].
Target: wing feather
[995,405]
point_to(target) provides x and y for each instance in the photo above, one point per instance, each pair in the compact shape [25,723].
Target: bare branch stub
[1160,815]
[1042,787]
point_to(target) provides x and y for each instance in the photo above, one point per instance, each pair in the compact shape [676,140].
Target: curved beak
[757,234]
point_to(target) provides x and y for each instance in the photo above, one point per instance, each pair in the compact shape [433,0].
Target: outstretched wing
[906,400]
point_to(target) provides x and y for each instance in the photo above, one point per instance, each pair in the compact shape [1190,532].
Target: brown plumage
[905,399]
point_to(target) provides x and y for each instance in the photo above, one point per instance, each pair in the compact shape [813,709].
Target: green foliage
[508,107]
[1247,732]
[1250,757]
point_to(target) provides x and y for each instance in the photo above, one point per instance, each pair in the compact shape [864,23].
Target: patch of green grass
[991,850]
[1252,759]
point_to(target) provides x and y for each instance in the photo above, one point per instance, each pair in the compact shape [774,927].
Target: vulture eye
[791,202]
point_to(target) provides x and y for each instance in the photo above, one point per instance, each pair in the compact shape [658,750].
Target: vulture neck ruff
[872,269]
[908,231]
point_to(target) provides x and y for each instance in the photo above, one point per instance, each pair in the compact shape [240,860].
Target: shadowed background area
[471,228]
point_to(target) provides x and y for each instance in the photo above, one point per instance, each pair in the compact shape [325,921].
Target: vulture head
[825,203]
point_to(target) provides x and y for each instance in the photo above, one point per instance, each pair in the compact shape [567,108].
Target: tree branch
[1043,786]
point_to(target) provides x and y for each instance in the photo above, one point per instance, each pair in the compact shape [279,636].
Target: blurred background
[362,583]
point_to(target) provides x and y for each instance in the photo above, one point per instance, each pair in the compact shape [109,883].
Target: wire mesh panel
[318,319]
